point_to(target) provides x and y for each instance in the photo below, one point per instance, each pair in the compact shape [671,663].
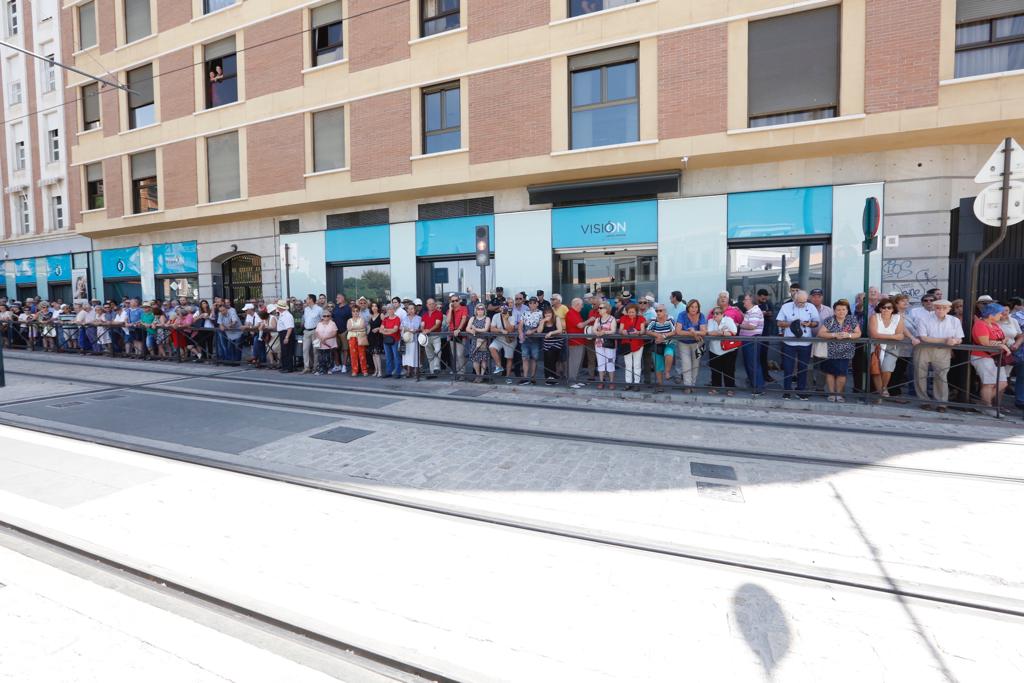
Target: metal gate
[243,278]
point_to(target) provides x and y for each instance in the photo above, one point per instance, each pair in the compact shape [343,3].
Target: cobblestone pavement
[786,511]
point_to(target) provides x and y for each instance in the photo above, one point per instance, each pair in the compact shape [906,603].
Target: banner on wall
[58,268]
[25,271]
[175,258]
[80,285]
[120,262]
[605,225]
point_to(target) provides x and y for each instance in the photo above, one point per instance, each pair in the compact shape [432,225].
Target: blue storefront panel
[58,268]
[780,213]
[120,262]
[605,225]
[448,236]
[175,258]
[25,271]
[370,243]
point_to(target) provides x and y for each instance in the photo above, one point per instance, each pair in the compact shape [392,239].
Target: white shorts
[504,346]
[987,371]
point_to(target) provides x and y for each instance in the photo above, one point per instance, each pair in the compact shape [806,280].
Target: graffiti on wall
[907,277]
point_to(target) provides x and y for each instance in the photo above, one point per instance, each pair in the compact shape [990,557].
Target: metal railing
[501,358]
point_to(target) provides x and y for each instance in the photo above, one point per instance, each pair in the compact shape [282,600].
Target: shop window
[580,7]
[222,167]
[141,105]
[327,33]
[137,21]
[57,212]
[86,25]
[15,92]
[94,186]
[442,118]
[215,5]
[329,139]
[775,268]
[221,73]
[24,215]
[806,43]
[605,107]
[441,278]
[145,194]
[370,280]
[439,16]
[91,106]
[986,43]
[12,17]
[53,145]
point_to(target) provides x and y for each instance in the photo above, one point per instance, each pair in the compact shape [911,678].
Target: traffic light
[483,245]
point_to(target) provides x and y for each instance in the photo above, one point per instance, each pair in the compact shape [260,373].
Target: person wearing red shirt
[389,328]
[630,324]
[457,317]
[991,374]
[432,319]
[574,324]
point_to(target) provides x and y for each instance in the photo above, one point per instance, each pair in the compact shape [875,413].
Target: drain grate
[342,434]
[66,404]
[704,469]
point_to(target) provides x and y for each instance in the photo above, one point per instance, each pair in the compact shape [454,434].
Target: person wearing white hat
[411,326]
[285,333]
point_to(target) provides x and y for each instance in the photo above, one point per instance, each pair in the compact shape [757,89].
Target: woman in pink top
[326,341]
[728,310]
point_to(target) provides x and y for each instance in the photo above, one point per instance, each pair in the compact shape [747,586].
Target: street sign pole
[870,221]
[1003,222]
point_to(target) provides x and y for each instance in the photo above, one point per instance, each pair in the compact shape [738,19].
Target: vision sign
[605,225]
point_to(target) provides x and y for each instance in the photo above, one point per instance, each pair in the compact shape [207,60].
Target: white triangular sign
[992,171]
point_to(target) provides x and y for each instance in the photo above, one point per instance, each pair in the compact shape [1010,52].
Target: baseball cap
[248,307]
[649,299]
[984,299]
[532,300]
[817,290]
[418,302]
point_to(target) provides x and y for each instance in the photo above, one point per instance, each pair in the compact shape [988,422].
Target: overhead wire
[245,48]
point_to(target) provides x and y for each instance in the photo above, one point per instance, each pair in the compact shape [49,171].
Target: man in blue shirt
[136,334]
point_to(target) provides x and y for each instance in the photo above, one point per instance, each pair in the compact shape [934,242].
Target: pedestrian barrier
[637,362]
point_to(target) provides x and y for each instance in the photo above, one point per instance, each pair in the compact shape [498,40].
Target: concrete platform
[481,603]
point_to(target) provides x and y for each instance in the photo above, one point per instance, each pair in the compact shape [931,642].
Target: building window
[329,139]
[806,43]
[25,217]
[15,93]
[214,5]
[580,7]
[439,16]
[141,107]
[327,35]
[49,74]
[986,44]
[19,155]
[222,167]
[442,118]
[91,106]
[53,144]
[94,186]
[221,73]
[604,97]
[137,22]
[145,196]
[86,25]
[12,17]
[57,212]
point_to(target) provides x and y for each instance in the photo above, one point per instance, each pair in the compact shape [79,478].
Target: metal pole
[866,348]
[48,60]
[1007,150]
[483,285]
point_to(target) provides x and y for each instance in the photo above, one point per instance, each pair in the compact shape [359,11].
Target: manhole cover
[717,491]
[66,404]
[704,469]
[342,434]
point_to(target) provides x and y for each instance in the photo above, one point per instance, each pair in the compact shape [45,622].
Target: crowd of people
[913,350]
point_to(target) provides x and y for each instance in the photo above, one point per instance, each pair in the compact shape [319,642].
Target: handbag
[819,349]
[875,364]
[316,342]
[730,344]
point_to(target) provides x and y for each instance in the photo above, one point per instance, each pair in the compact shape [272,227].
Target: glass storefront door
[59,292]
[118,290]
[607,274]
[186,286]
[438,279]
[775,268]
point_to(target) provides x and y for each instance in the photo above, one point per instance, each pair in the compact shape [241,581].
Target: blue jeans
[752,363]
[259,351]
[799,356]
[1018,384]
[392,360]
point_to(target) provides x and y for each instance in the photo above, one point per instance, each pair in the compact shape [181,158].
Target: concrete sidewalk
[481,603]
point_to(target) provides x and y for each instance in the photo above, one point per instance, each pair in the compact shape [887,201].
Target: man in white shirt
[311,315]
[285,333]
[938,328]
[798,320]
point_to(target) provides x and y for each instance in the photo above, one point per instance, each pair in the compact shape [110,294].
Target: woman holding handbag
[691,328]
[885,324]
[480,325]
[723,351]
[358,342]
[605,325]
[631,324]
[325,341]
